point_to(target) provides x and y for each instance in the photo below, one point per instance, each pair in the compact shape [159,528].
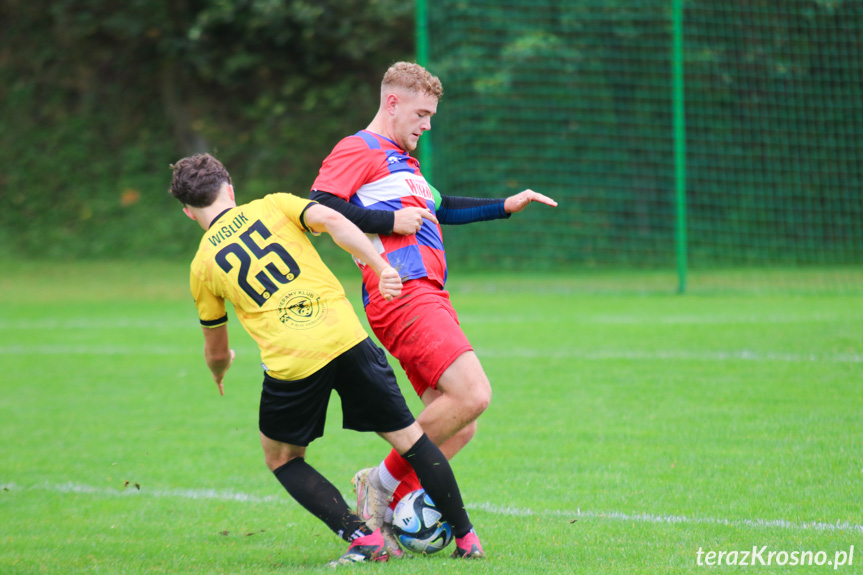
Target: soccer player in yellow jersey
[258,257]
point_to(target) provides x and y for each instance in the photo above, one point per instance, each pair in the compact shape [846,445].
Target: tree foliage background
[570,97]
[98,97]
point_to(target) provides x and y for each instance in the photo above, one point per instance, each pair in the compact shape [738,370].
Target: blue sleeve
[454,210]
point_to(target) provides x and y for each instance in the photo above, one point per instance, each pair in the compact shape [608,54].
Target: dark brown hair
[198,179]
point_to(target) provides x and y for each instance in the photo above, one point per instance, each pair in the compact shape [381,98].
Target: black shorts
[295,411]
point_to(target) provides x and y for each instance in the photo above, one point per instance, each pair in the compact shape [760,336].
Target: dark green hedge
[99,97]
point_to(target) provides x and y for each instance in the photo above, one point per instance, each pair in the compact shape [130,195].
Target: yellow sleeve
[211,308]
[295,208]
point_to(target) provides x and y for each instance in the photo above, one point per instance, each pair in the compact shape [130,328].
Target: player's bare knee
[480,404]
[276,460]
[466,433]
[472,406]
[273,463]
[481,398]
[403,439]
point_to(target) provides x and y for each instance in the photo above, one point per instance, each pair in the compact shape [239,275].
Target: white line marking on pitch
[84,323]
[677,519]
[228,495]
[479,318]
[60,349]
[741,355]
[600,355]
[574,319]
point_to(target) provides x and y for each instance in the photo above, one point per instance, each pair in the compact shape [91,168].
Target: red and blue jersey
[373,172]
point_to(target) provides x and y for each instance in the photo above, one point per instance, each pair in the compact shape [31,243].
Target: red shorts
[421,330]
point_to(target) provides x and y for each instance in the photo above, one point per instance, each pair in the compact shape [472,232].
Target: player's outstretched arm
[351,239]
[455,210]
[518,202]
[217,353]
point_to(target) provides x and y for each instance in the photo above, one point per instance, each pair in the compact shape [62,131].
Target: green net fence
[575,99]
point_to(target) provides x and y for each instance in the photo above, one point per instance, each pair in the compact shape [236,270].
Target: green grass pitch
[629,429]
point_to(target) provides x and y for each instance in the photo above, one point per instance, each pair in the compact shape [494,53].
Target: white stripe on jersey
[393,187]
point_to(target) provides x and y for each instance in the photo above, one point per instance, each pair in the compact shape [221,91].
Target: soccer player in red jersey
[372,179]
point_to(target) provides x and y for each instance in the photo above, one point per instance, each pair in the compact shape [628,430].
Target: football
[418,524]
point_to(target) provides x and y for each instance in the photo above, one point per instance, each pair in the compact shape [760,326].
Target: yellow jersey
[258,257]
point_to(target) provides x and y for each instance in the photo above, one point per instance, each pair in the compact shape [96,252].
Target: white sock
[387,481]
[388,515]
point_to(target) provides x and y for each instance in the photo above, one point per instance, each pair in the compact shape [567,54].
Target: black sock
[437,478]
[321,498]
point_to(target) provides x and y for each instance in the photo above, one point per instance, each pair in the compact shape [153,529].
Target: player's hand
[518,202]
[408,221]
[390,284]
[219,377]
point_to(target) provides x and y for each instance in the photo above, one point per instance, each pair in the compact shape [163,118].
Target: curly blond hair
[412,77]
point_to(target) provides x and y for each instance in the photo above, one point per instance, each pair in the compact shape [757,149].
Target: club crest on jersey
[302,309]
[419,188]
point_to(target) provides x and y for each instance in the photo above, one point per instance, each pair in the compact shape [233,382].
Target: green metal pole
[679,144]
[422,49]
